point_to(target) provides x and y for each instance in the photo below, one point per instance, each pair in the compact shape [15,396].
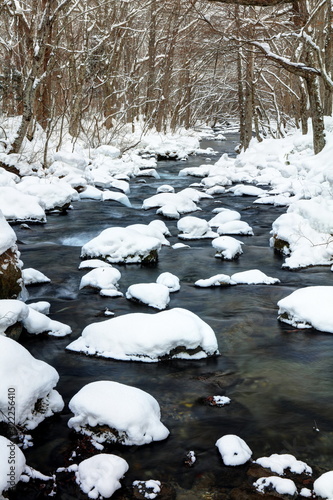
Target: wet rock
[153,489]
[10,274]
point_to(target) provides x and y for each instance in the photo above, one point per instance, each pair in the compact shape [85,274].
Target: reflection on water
[279,380]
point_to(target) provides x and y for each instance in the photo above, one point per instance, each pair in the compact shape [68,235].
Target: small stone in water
[190,459]
[217,401]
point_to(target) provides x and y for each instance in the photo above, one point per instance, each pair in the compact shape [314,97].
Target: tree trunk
[316,113]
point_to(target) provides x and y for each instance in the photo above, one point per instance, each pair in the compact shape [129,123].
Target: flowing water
[279,380]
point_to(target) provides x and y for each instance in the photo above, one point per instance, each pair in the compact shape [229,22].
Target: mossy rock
[10,275]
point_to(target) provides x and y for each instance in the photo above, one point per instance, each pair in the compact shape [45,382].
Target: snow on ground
[12,464]
[152,294]
[253,277]
[281,463]
[99,476]
[280,485]
[227,247]
[33,382]
[176,333]
[308,307]
[169,280]
[131,415]
[233,449]
[122,245]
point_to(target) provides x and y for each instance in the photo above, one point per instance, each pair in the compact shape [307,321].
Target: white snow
[37,322]
[33,381]
[101,277]
[281,463]
[165,188]
[12,464]
[33,276]
[308,307]
[152,294]
[118,197]
[19,207]
[93,263]
[280,485]
[223,216]
[323,486]
[235,227]
[253,277]
[193,228]
[7,235]
[99,476]
[148,489]
[216,280]
[246,190]
[132,415]
[117,244]
[169,280]
[172,205]
[149,337]
[233,449]
[51,194]
[156,229]
[227,247]
[12,311]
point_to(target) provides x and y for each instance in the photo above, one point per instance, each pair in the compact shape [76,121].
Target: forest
[91,68]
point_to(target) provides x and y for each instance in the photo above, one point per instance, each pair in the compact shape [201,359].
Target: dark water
[279,380]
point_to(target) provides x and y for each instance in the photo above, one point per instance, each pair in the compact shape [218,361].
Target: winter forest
[166,249]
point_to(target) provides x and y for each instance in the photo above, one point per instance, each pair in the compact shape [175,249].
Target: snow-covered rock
[51,195]
[37,322]
[193,228]
[235,227]
[33,382]
[165,188]
[280,485]
[12,464]
[122,245]
[323,486]
[253,277]
[169,280]
[101,277]
[33,277]
[19,207]
[233,449]
[308,307]
[216,280]
[116,196]
[148,489]
[98,476]
[156,229]
[172,205]
[281,463]
[246,190]
[93,264]
[152,294]
[224,215]
[11,283]
[227,247]
[11,312]
[114,412]
[176,333]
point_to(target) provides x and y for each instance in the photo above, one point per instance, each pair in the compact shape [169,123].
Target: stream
[279,380]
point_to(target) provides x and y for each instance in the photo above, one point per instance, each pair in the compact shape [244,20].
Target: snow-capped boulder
[113,412]
[192,228]
[11,283]
[284,462]
[52,196]
[280,485]
[308,307]
[153,229]
[12,314]
[101,277]
[222,216]
[169,280]
[152,294]
[235,227]
[216,280]
[233,449]
[122,245]
[37,322]
[227,247]
[253,277]
[323,486]
[33,277]
[172,205]
[116,196]
[98,476]
[176,333]
[33,382]
[12,464]
[19,207]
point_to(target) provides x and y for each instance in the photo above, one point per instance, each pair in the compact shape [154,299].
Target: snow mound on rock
[176,333]
[132,416]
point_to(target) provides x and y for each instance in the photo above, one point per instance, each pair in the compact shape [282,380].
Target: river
[279,380]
